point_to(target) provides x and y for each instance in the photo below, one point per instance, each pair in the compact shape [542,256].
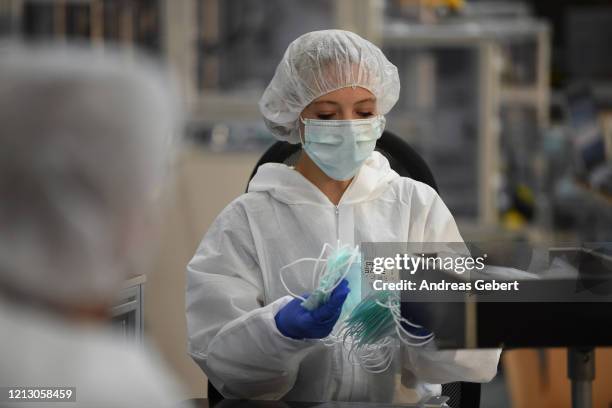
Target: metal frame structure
[487,39]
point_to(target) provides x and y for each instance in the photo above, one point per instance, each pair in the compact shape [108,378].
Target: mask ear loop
[302,140]
[372,358]
[316,260]
[282,279]
[316,275]
[403,333]
[398,317]
[376,356]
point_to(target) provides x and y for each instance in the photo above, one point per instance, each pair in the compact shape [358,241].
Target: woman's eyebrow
[320,102]
[366,100]
[370,99]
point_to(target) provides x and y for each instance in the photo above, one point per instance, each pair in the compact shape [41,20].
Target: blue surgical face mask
[339,147]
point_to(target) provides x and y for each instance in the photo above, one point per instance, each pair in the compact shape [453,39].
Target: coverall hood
[290,187]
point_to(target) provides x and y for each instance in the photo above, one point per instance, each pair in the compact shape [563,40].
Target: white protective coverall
[40,349]
[234,291]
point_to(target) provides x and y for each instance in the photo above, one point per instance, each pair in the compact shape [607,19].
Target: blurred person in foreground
[85,138]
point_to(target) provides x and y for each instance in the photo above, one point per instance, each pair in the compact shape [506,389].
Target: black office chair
[407,163]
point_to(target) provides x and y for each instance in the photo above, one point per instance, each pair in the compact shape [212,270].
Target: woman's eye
[325,116]
[365,114]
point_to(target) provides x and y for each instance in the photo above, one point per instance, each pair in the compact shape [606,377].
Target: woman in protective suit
[330,93]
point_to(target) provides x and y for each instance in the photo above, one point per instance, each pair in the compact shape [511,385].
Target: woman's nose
[347,114]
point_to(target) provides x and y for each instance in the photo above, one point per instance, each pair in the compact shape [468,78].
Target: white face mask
[339,147]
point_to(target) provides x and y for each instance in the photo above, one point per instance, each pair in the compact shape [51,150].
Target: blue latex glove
[299,323]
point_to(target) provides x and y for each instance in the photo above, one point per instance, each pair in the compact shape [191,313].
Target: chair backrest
[213,395]
[402,158]
[407,163]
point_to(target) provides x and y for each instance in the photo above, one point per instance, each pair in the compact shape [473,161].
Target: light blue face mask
[339,147]
[343,262]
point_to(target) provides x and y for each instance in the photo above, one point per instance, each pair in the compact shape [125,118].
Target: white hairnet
[320,62]
[85,138]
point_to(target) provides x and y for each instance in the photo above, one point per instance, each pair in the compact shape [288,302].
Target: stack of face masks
[338,266]
[372,330]
[368,333]
[342,263]
[369,328]
[371,321]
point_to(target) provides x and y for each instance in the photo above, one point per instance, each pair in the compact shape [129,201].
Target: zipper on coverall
[337,214]
[337,210]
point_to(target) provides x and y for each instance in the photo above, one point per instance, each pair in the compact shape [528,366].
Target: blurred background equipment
[509,102]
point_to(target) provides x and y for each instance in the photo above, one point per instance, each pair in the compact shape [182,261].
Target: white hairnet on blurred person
[84,138]
[320,62]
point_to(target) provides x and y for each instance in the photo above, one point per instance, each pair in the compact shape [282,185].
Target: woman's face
[343,104]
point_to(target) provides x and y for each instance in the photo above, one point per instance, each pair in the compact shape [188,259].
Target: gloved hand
[299,323]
